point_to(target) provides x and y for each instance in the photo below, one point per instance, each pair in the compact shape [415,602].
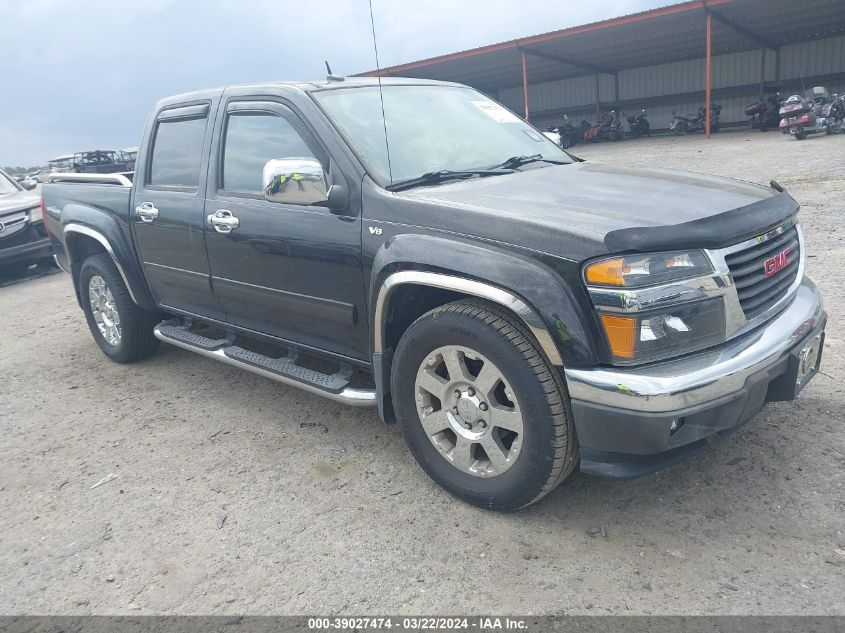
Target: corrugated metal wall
[807,59]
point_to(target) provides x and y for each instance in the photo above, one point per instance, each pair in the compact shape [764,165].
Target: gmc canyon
[518,312]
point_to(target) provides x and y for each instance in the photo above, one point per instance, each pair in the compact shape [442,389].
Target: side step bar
[285,370]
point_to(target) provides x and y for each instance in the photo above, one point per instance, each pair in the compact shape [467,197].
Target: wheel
[123,330]
[480,408]
[800,136]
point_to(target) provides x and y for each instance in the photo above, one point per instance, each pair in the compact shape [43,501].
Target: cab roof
[304,86]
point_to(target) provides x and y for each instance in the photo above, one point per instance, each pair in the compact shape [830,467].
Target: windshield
[6,185]
[431,129]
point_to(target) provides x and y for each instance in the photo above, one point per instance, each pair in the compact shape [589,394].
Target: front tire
[480,408]
[123,331]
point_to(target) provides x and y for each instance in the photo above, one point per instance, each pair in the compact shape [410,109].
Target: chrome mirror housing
[295,181]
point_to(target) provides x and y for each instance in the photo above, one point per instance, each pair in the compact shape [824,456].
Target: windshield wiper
[436,177]
[518,161]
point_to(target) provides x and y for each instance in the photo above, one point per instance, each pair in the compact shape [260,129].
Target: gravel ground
[234,494]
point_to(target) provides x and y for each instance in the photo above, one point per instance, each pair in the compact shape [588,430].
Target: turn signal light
[621,335]
[606,273]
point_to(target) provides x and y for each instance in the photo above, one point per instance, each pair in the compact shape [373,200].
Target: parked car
[520,313]
[26,181]
[23,240]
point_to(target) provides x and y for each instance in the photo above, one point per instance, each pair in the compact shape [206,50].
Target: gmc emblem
[777,263]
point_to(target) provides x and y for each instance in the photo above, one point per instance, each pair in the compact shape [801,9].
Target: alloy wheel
[104,310]
[468,411]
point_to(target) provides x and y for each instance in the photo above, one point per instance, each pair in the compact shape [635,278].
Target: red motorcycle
[803,116]
[608,128]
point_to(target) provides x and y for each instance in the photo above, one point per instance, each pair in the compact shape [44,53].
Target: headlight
[635,271]
[669,332]
[35,214]
[656,305]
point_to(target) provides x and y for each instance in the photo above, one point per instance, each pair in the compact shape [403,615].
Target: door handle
[223,221]
[146,212]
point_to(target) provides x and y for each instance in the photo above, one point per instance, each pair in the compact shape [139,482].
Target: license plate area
[809,361]
[804,363]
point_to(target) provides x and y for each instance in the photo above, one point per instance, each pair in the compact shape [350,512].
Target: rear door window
[177,152]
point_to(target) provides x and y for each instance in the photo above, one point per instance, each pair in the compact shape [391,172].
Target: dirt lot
[234,494]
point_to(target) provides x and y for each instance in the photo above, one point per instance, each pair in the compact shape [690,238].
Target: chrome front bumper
[706,376]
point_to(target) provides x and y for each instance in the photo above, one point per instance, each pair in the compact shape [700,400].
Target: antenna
[381,94]
[330,76]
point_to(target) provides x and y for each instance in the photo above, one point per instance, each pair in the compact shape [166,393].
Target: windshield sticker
[496,112]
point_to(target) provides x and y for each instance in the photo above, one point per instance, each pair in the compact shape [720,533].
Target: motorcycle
[683,125]
[765,113]
[569,134]
[639,125]
[815,113]
[608,128]
[834,115]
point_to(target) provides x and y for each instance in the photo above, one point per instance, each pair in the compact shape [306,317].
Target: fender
[516,279]
[106,230]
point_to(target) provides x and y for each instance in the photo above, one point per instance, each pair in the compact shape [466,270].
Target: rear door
[168,211]
[287,270]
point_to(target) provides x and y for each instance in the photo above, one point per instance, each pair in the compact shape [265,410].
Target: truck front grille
[762,274]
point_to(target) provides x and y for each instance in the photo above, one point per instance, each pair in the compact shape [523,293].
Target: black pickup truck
[520,313]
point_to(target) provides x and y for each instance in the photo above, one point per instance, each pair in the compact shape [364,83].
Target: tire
[133,336]
[544,450]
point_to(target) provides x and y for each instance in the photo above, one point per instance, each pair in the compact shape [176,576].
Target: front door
[287,270]
[168,211]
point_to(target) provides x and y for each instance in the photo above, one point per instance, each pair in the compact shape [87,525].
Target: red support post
[524,83]
[708,74]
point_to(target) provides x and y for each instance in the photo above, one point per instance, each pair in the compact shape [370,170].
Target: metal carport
[605,51]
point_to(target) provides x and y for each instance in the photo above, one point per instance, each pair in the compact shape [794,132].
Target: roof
[671,33]
[305,86]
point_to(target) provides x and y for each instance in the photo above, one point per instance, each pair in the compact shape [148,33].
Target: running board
[285,370]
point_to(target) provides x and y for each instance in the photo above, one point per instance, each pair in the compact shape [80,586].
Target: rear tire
[123,330]
[508,439]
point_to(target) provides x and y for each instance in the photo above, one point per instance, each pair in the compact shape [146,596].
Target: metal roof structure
[671,33]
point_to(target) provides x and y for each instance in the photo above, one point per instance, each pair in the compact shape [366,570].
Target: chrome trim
[103,179]
[719,283]
[676,384]
[14,222]
[468,286]
[624,300]
[84,230]
[350,396]
[734,312]
[59,263]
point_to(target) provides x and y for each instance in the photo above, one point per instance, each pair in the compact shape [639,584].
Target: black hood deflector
[715,231]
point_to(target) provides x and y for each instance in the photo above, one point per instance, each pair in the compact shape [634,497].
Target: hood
[17,201]
[589,200]
[600,198]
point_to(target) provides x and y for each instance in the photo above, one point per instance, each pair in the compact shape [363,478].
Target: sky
[84,74]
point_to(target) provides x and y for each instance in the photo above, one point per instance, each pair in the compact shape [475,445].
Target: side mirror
[295,181]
